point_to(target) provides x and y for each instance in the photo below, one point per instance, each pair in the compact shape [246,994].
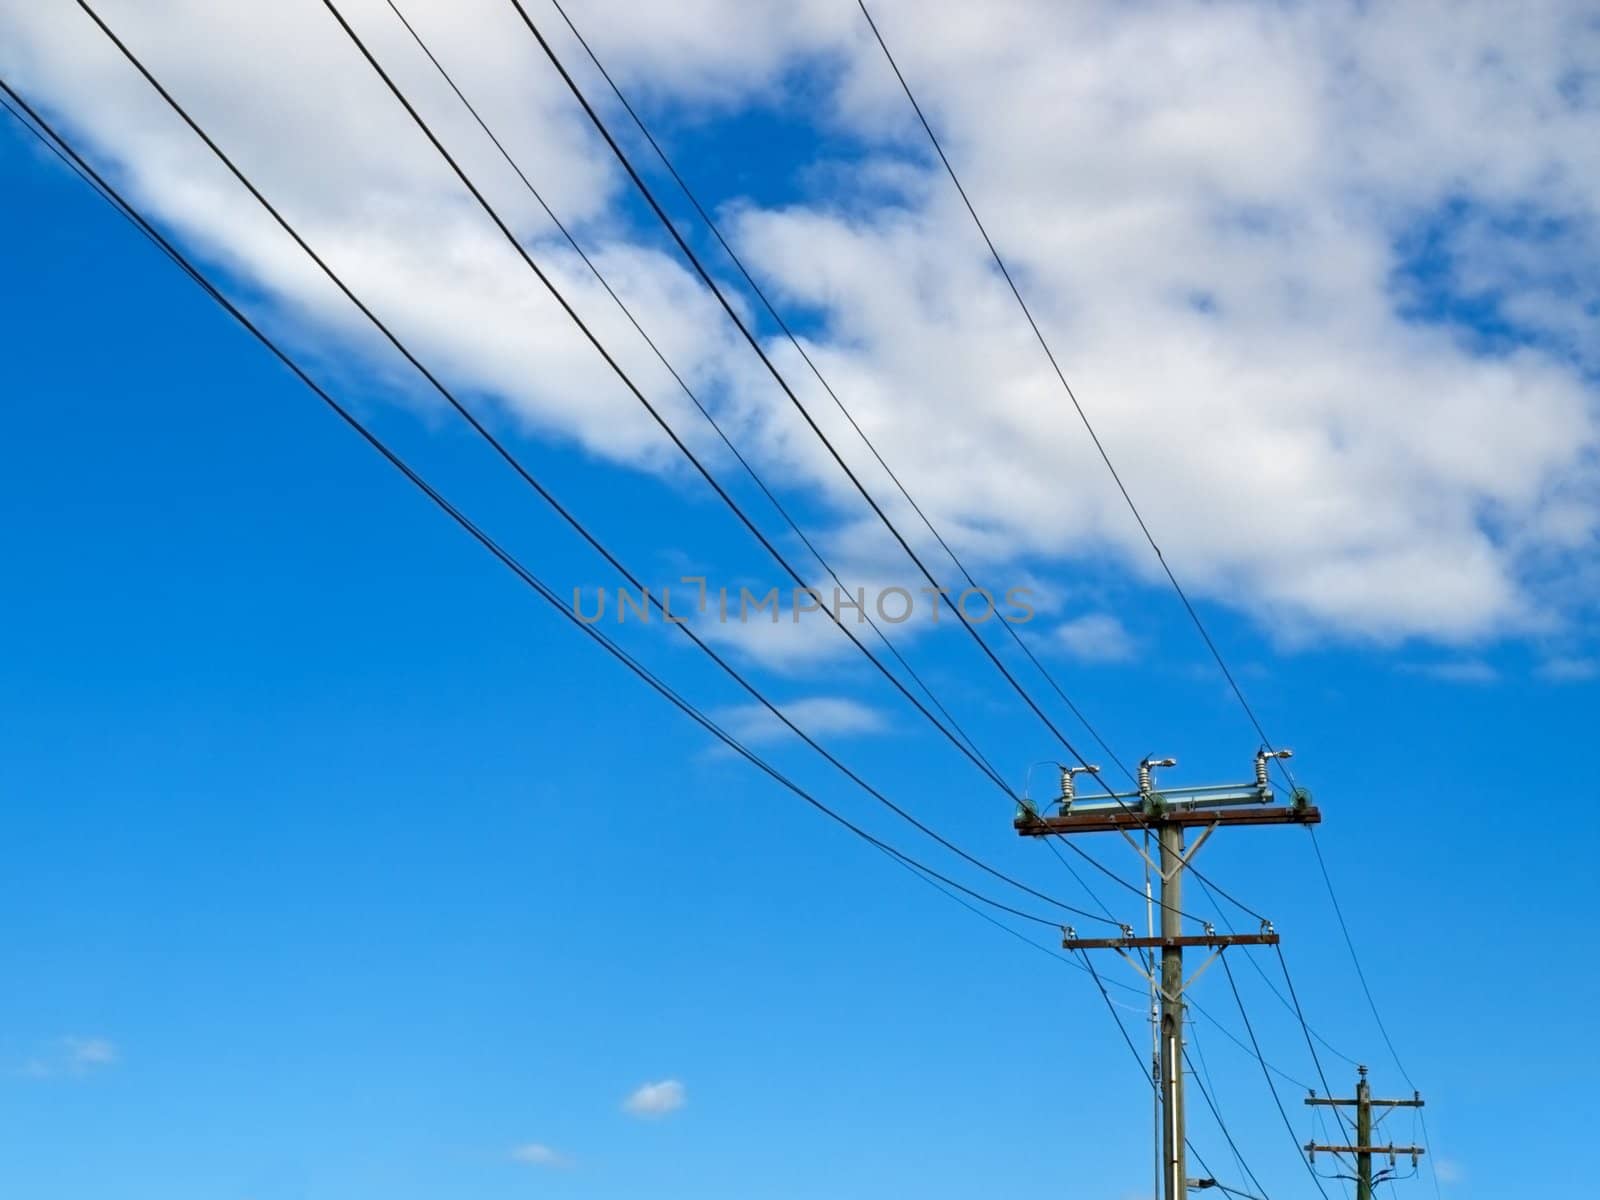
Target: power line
[1327,1088]
[1126,987]
[1226,1190]
[1137,1057]
[617,369]
[488,543]
[1366,990]
[620,567]
[1338,911]
[755,345]
[1234,1038]
[1133,508]
[783,384]
[551,500]
[959,885]
[949,888]
[550,597]
[1083,416]
[1111,1005]
[1205,1072]
[116,205]
[1292,1007]
[1079,878]
[1191,1002]
[1266,1074]
[1223,1126]
[800,349]
[90,181]
[477,426]
[677,376]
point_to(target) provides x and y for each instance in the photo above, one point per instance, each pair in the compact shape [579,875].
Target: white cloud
[1212,213]
[1569,670]
[1097,637]
[1449,1171]
[819,716]
[652,1100]
[1469,670]
[537,1154]
[73,1055]
[788,644]
[87,1052]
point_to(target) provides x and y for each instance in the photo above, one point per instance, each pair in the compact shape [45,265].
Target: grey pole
[1363,1137]
[1172,1128]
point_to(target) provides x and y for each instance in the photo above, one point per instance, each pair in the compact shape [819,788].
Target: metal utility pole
[1363,1148]
[1168,814]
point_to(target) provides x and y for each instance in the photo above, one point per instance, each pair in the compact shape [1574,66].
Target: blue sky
[336,865]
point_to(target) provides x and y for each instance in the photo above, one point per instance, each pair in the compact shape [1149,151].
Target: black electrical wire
[931,876]
[505,557]
[466,413]
[1212,886]
[1188,606]
[1087,967]
[550,499]
[948,888]
[755,345]
[1104,983]
[1366,990]
[1060,858]
[1057,955]
[1234,1038]
[1266,1074]
[528,260]
[1338,911]
[1327,1088]
[1222,1125]
[1292,1006]
[1137,1056]
[1024,887]
[1082,415]
[1228,1191]
[5,102]
[678,377]
[799,348]
[1193,1038]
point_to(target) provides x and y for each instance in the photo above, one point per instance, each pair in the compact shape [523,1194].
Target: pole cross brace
[1211,941]
[1215,942]
[1111,822]
[1414,1152]
[1183,859]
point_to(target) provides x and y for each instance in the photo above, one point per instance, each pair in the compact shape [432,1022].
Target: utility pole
[1168,814]
[1363,1148]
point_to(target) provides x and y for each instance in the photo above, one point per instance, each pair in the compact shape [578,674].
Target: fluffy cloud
[74,1055]
[1469,670]
[1097,637]
[1569,670]
[652,1100]
[537,1154]
[87,1052]
[820,716]
[1325,277]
